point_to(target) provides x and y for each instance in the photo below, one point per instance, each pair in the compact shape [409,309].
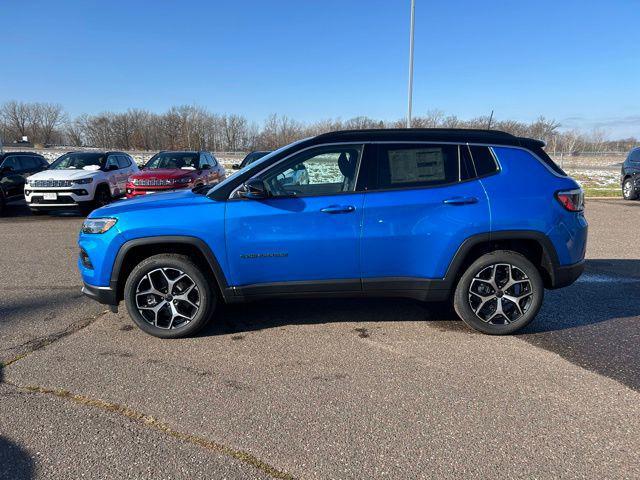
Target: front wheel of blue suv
[499,293]
[168,296]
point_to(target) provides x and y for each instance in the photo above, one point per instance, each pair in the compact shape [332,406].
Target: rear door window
[112,160]
[123,161]
[416,165]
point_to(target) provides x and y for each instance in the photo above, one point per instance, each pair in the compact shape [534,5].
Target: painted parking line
[603,278]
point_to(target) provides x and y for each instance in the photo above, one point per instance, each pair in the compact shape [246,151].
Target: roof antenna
[490,119]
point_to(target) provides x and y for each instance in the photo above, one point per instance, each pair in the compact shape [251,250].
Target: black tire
[102,196]
[629,190]
[528,293]
[169,264]
[36,212]
[3,204]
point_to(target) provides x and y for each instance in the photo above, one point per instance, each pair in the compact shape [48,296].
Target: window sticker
[419,165]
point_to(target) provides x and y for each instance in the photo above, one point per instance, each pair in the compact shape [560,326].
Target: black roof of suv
[31,154]
[467,135]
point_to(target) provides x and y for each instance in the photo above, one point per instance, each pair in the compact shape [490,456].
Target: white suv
[84,180]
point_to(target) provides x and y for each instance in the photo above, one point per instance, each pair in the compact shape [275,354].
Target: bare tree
[50,116]
[17,116]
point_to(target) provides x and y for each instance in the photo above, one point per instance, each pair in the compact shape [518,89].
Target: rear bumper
[104,295]
[565,275]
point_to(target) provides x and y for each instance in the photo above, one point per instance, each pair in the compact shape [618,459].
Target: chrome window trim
[491,146]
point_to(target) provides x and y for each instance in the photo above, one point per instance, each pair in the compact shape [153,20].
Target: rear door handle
[460,201]
[338,209]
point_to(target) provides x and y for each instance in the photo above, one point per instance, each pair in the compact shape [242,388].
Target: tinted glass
[174,160]
[320,171]
[252,157]
[112,160]
[483,160]
[31,163]
[77,161]
[412,165]
[14,162]
[467,170]
[634,156]
[123,162]
[212,160]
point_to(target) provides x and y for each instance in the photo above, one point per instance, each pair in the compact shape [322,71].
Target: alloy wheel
[500,294]
[626,189]
[167,298]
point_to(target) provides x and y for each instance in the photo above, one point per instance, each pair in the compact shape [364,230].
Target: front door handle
[338,209]
[460,201]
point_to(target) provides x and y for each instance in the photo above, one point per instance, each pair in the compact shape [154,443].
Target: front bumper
[135,191]
[72,197]
[104,295]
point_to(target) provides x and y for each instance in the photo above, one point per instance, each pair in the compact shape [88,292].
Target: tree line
[192,127]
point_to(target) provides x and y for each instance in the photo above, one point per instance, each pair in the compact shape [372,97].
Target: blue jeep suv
[480,218]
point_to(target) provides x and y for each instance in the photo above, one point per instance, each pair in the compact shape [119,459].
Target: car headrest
[347,164]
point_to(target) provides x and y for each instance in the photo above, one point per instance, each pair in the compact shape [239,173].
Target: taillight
[572,200]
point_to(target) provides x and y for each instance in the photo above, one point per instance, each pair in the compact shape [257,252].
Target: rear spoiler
[530,142]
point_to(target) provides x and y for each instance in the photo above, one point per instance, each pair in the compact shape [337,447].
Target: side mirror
[236,166]
[206,166]
[6,169]
[255,189]
[112,167]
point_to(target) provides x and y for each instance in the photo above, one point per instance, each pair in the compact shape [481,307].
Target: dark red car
[174,170]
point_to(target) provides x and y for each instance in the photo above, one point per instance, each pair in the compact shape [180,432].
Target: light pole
[409,99]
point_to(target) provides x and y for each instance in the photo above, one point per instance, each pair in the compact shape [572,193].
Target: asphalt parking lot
[318,389]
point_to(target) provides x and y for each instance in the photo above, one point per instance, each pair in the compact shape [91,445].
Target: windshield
[77,161]
[174,160]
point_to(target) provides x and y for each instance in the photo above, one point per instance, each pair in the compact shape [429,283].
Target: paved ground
[322,389]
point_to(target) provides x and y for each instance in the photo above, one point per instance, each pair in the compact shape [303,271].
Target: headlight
[83,181]
[98,225]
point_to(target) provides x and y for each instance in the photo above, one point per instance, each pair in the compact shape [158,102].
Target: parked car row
[87,180]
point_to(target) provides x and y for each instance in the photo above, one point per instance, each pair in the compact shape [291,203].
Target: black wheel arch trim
[550,261]
[196,242]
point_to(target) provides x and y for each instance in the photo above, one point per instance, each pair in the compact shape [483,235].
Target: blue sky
[575,61]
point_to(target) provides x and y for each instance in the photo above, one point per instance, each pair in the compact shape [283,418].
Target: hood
[161,173]
[70,174]
[176,198]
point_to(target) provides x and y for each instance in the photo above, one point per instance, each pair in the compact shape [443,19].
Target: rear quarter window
[483,160]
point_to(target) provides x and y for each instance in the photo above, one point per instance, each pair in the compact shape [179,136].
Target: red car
[173,170]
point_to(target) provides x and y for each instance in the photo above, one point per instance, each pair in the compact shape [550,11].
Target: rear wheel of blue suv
[482,219]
